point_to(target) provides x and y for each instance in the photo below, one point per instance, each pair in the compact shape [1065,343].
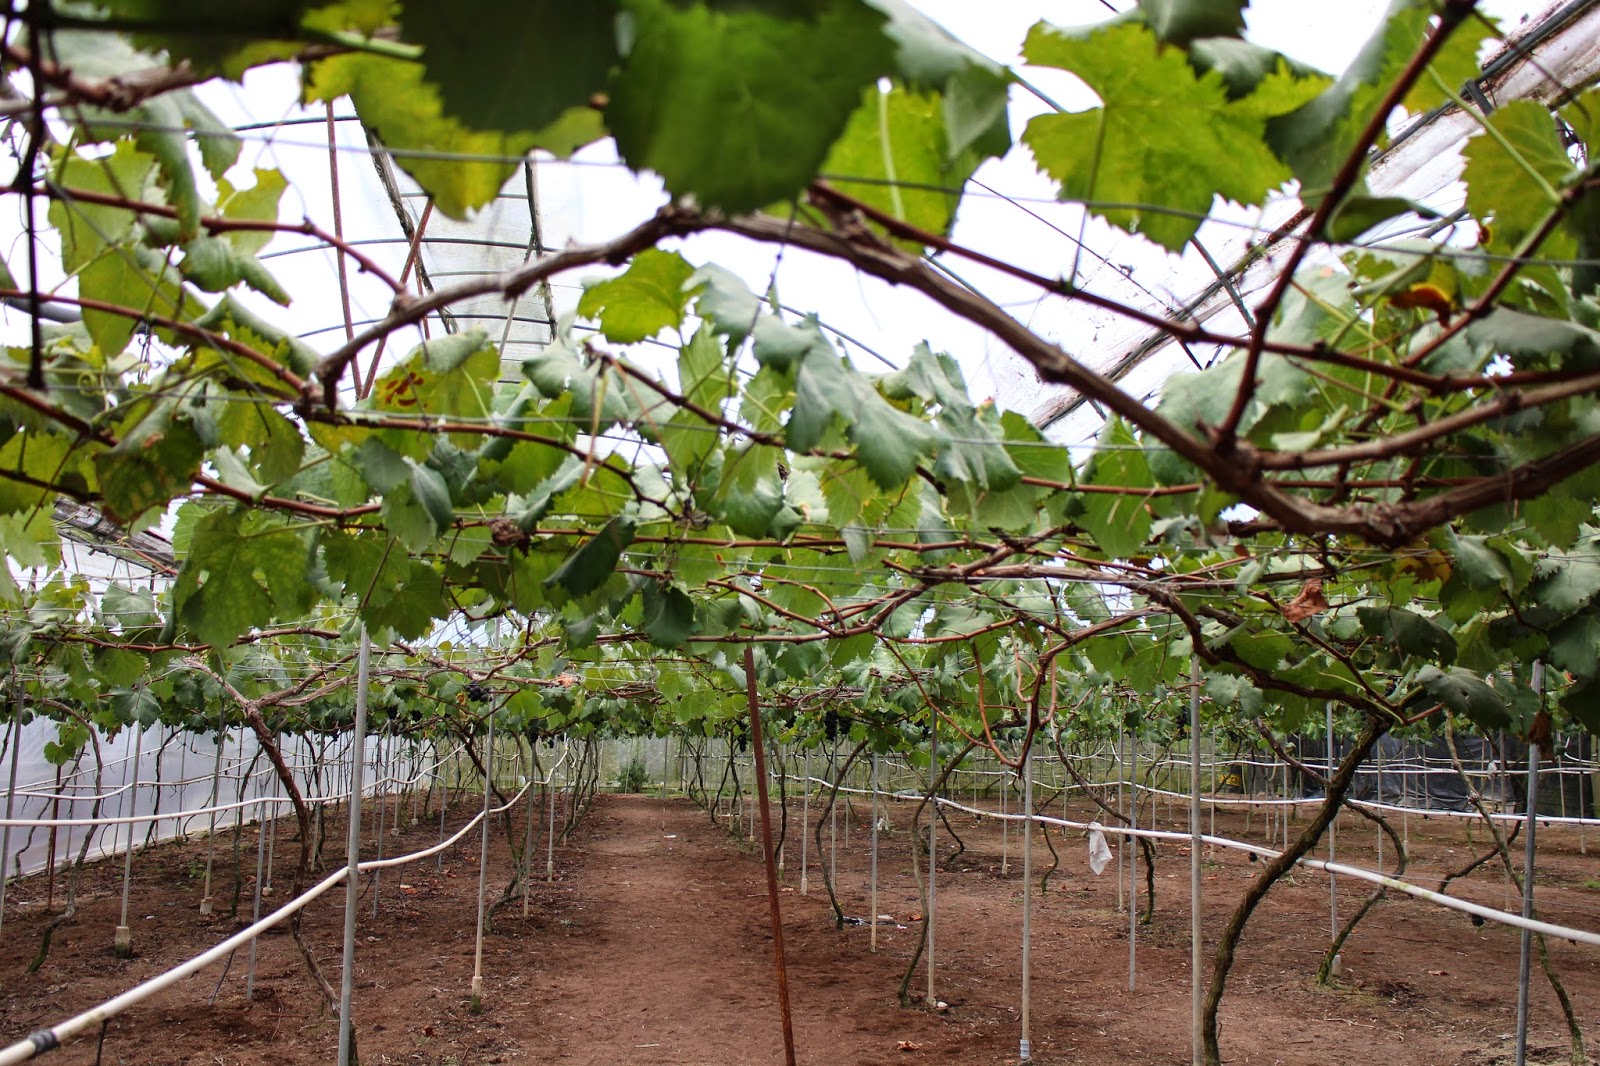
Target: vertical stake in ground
[805,824]
[1196,1006]
[1133,860]
[11,789]
[122,942]
[873,942]
[759,745]
[933,836]
[483,866]
[1025,1046]
[216,797]
[255,909]
[1333,828]
[1527,877]
[352,887]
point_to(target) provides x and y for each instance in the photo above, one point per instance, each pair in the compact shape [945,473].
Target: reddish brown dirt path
[651,948]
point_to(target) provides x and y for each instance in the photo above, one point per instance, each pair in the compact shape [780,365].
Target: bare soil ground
[652,946]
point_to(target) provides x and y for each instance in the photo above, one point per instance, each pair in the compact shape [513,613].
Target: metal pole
[483,863]
[272,833]
[352,888]
[805,824]
[255,912]
[11,790]
[1025,1047]
[381,794]
[530,817]
[1527,880]
[933,836]
[1125,844]
[873,939]
[1005,834]
[444,801]
[211,831]
[1333,828]
[1196,1006]
[759,745]
[1133,861]
[122,943]
[550,801]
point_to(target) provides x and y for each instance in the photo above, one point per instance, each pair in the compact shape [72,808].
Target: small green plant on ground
[633,776]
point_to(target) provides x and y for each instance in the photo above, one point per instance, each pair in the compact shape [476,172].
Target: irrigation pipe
[53,1037]
[1572,935]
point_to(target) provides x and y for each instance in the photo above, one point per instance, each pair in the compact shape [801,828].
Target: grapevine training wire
[1582,936]
[51,1038]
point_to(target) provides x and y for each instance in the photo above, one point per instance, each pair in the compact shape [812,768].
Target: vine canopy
[1375,488]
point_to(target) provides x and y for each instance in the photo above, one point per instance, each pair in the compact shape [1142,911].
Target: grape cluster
[477,693]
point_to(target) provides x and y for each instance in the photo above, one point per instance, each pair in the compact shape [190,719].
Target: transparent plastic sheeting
[183,792]
[48,1039]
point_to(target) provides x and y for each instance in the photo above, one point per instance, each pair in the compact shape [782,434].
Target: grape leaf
[563,54]
[738,108]
[1164,138]
[650,296]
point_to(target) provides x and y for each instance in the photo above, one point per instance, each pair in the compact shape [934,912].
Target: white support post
[1333,829]
[1527,880]
[122,941]
[873,936]
[1133,861]
[933,847]
[216,796]
[352,882]
[1196,1003]
[483,865]
[805,827]
[11,792]
[1025,1046]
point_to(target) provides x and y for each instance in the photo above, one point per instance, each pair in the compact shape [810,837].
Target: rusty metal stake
[759,744]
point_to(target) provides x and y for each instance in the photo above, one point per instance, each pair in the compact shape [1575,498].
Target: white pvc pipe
[483,862]
[1196,1003]
[1024,1046]
[353,852]
[123,938]
[53,1037]
[933,836]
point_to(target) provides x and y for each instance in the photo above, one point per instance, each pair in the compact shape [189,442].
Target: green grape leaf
[156,459]
[1517,333]
[1164,138]
[1119,521]
[588,568]
[973,88]
[1410,632]
[258,203]
[648,297]
[563,54]
[1500,191]
[242,570]
[1317,137]
[738,108]
[1181,21]
[86,229]
[751,493]
[669,616]
[895,155]
[415,600]
[392,99]
[1465,693]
